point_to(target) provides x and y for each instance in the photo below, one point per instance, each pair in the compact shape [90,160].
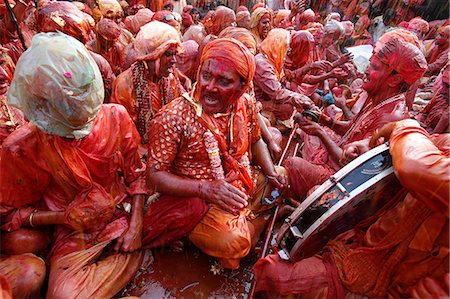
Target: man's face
[245,22]
[195,16]
[264,26]
[442,37]
[167,62]
[376,76]
[328,38]
[219,85]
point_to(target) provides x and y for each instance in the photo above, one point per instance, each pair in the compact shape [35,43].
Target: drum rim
[385,174]
[328,184]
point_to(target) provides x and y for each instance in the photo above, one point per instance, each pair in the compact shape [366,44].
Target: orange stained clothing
[389,253]
[74,175]
[177,144]
[409,241]
[127,91]
[256,16]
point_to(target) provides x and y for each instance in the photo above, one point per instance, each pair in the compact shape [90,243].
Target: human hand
[131,239]
[323,65]
[353,150]
[339,73]
[431,288]
[310,127]
[339,99]
[381,135]
[274,148]
[344,58]
[224,195]
[303,102]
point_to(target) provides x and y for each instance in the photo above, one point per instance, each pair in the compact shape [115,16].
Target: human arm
[266,79]
[219,192]
[273,146]
[312,128]
[420,165]
[131,239]
[341,102]
[338,126]
[261,157]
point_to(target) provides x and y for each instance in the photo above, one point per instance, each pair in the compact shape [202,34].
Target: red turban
[405,58]
[234,52]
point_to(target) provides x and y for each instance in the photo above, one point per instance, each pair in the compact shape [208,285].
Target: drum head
[354,193]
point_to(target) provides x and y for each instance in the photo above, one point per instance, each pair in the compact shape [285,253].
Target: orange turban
[242,35]
[234,52]
[405,58]
[400,34]
[218,20]
[154,39]
[275,47]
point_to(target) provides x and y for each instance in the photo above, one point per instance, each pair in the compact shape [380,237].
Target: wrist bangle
[30,218]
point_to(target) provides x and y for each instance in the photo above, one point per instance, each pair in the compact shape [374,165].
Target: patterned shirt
[176,142]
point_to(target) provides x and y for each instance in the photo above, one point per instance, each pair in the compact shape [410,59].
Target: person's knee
[25,273]
[24,240]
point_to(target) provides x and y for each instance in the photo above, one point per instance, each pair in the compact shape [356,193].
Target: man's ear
[394,80]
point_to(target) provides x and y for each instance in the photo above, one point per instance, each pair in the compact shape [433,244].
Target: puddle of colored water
[188,275]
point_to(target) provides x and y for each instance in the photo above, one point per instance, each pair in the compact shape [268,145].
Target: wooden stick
[288,144]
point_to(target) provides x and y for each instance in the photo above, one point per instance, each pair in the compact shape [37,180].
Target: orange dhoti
[228,236]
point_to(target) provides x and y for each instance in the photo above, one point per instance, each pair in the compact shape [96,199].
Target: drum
[352,194]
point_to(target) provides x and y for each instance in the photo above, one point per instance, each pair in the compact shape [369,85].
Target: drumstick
[287,144]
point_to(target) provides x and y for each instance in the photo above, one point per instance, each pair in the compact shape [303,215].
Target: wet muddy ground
[189,274]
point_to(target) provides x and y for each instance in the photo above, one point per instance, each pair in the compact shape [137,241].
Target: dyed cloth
[387,254]
[186,60]
[110,32]
[242,35]
[273,96]
[144,99]
[435,116]
[107,73]
[195,33]
[316,161]
[437,58]
[152,40]
[70,176]
[281,19]
[256,16]
[135,22]
[177,145]
[10,118]
[141,93]
[218,20]
[65,17]
[21,276]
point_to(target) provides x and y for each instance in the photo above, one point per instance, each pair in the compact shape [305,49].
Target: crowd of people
[131,125]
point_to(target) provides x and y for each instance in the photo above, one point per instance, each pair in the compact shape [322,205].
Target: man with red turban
[401,252]
[393,68]
[203,146]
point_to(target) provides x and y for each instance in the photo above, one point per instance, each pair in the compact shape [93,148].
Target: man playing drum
[393,68]
[402,251]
